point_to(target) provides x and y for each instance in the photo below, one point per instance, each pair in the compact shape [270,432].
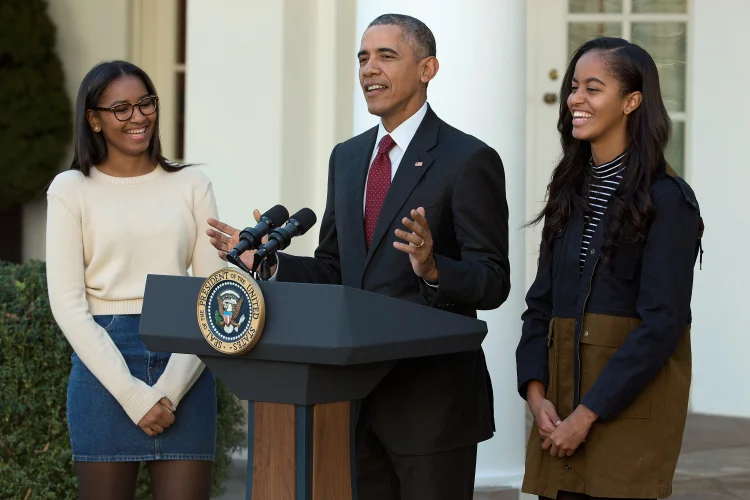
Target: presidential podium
[323,347]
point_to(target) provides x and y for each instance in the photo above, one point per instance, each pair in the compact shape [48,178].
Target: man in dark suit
[416,209]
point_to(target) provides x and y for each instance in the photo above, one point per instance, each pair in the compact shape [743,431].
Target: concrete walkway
[714,464]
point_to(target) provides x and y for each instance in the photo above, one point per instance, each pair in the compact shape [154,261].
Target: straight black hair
[90,148]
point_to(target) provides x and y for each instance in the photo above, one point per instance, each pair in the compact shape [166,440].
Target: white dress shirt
[402,136]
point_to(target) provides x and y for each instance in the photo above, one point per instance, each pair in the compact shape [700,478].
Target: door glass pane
[660,6]
[580,33]
[675,152]
[594,6]
[667,44]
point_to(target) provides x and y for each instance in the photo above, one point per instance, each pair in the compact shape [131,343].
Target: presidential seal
[231,311]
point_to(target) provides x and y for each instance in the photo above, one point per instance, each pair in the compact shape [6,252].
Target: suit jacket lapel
[352,218]
[407,176]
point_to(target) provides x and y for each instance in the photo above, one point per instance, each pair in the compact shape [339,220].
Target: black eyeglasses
[124,111]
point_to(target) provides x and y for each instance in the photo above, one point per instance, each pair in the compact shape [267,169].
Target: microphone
[250,237]
[280,238]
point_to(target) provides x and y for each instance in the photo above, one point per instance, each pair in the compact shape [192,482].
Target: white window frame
[626,18]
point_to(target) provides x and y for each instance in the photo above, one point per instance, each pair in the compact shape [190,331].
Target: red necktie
[378,183]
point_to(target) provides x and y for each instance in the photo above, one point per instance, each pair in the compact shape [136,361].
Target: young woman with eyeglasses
[122,212]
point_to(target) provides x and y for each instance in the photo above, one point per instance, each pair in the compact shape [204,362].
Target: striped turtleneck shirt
[604,181]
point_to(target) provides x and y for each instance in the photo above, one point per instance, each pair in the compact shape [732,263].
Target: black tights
[183,479]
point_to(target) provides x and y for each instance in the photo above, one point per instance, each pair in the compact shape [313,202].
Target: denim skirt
[101,431]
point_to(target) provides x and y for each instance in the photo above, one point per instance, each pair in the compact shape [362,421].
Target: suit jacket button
[567,467]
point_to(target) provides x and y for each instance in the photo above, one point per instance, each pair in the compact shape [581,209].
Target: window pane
[675,152]
[579,33]
[594,6]
[180,132]
[659,6]
[667,44]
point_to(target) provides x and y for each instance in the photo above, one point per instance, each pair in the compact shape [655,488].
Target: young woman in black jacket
[604,359]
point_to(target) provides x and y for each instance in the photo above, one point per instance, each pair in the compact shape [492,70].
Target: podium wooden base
[300,452]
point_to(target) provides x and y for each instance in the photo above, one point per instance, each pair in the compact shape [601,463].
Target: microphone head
[277,214]
[305,220]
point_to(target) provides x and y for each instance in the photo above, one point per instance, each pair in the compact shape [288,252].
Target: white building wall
[719,172]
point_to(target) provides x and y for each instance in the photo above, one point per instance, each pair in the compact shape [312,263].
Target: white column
[268,97]
[481,90]
[234,103]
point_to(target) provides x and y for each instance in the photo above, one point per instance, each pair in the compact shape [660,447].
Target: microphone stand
[238,262]
[264,273]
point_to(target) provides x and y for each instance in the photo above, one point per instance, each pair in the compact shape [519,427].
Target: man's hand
[224,238]
[418,245]
[569,435]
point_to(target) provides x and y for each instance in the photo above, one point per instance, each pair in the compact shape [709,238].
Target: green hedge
[35,455]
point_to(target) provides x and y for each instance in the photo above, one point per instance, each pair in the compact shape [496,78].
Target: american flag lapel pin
[418,164]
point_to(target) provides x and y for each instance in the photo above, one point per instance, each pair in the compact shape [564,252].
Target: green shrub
[35,453]
[35,112]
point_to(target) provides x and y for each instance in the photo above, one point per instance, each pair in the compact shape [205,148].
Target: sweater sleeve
[67,294]
[183,370]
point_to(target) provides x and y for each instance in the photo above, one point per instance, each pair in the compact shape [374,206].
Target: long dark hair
[90,148]
[648,130]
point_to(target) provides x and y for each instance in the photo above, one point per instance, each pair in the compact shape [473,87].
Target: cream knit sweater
[104,235]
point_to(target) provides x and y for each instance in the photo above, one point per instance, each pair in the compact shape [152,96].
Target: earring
[96,129]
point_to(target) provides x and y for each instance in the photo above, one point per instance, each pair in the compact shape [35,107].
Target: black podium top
[317,324]
[308,326]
